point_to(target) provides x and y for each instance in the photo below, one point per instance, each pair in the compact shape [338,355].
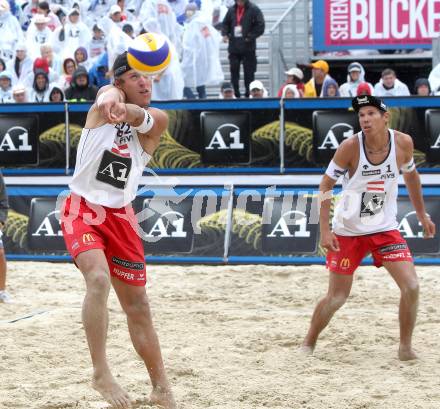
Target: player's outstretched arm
[149,123]
[109,107]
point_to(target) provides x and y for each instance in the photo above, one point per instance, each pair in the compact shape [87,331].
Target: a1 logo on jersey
[114,170]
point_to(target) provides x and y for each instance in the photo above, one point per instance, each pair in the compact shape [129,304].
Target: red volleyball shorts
[87,226]
[384,246]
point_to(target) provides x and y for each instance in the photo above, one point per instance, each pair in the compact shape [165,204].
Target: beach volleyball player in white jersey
[100,228]
[365,217]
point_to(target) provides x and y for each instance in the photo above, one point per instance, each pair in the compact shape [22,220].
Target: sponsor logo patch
[371,203]
[388,176]
[88,238]
[396,256]
[393,247]
[371,172]
[132,265]
[345,263]
[123,274]
[337,173]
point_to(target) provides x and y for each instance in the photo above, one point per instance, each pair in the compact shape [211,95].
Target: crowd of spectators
[322,85]
[62,49]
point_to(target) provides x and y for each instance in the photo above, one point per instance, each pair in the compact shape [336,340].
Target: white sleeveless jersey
[109,164]
[368,202]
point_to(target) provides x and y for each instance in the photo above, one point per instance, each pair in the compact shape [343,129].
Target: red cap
[363,89]
[41,64]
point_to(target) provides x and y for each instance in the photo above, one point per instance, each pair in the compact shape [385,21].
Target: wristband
[408,167]
[146,124]
[334,171]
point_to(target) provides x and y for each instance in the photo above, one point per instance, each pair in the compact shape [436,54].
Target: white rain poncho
[26,66]
[399,90]
[171,83]
[349,88]
[157,16]
[168,85]
[178,6]
[34,39]
[434,79]
[201,53]
[10,35]
[75,35]
[117,40]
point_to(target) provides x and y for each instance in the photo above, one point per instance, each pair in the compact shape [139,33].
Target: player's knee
[410,290]
[98,282]
[336,301]
[138,308]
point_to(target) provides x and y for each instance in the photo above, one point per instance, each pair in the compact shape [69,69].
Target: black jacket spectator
[242,25]
[252,27]
[80,90]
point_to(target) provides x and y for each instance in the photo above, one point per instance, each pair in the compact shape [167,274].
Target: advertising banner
[330,129]
[190,222]
[226,137]
[18,139]
[246,139]
[380,24]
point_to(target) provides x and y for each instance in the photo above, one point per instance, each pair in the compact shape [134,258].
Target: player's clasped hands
[114,112]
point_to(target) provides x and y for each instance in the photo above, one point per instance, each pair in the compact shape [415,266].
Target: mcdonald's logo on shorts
[88,238]
[345,263]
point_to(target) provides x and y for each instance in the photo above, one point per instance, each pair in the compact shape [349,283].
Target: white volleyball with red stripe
[149,54]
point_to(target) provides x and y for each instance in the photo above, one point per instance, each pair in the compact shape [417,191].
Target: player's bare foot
[407,353]
[163,398]
[306,349]
[111,391]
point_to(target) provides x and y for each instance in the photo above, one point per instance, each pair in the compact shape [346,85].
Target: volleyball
[149,54]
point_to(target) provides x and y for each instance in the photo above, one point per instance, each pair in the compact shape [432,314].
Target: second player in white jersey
[368,200]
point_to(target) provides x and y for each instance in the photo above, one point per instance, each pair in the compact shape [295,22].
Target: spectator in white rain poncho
[117,40]
[21,65]
[5,87]
[179,7]
[10,32]
[201,54]
[73,35]
[355,76]
[169,84]
[38,33]
[54,61]
[434,80]
[158,16]
[97,43]
[390,86]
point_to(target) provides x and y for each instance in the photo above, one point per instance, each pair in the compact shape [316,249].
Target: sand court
[229,337]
